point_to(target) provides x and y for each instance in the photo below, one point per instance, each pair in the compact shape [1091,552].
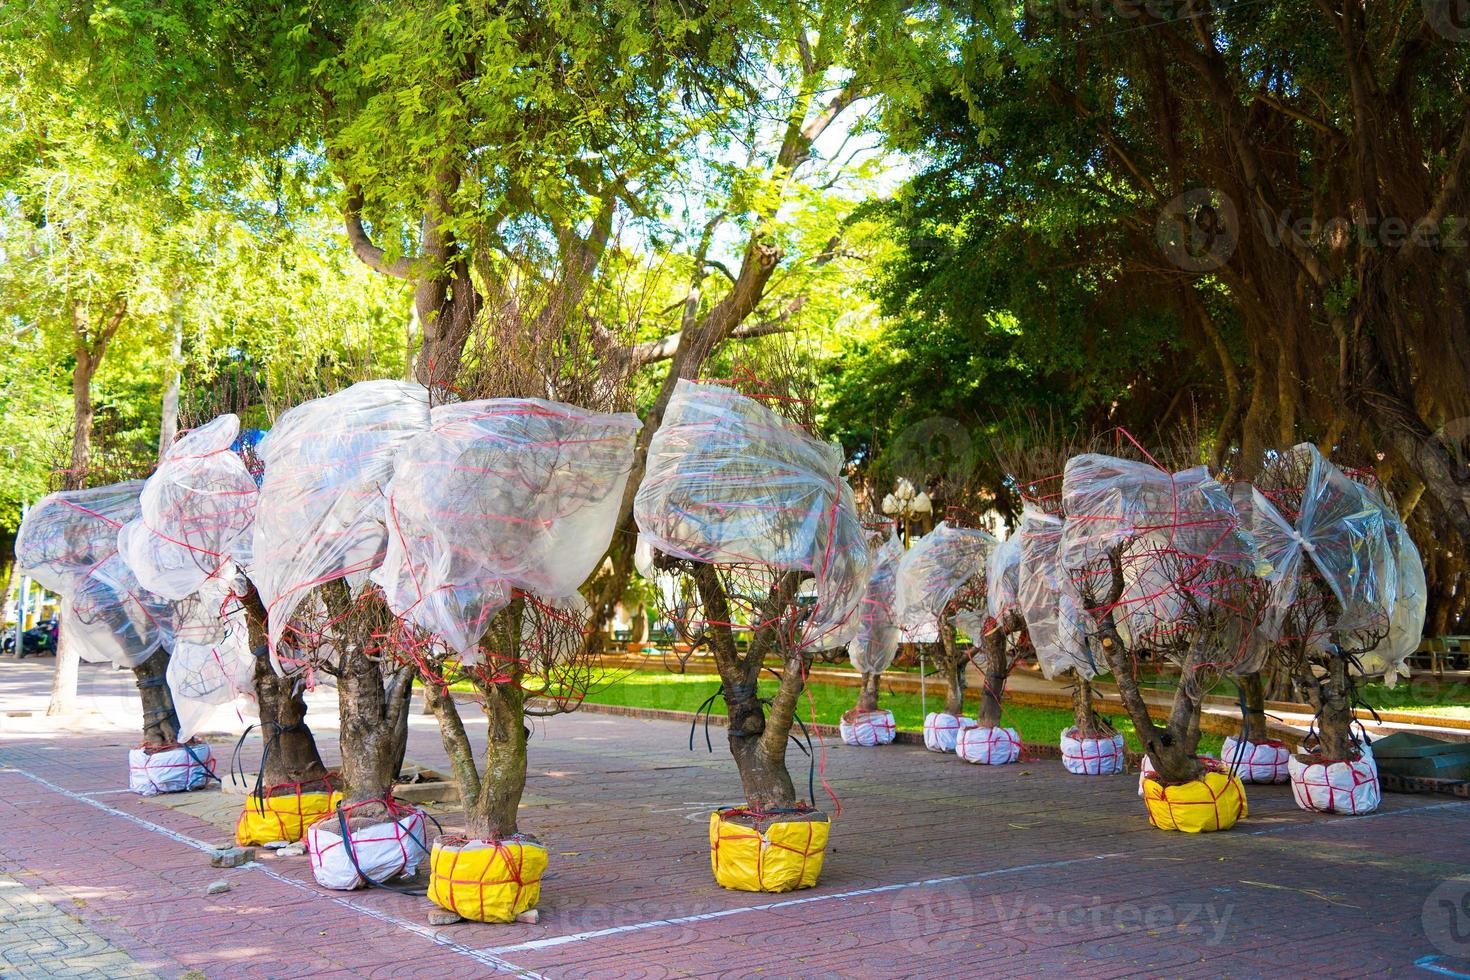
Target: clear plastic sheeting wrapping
[68,543]
[67,534]
[873,649]
[211,663]
[195,510]
[499,495]
[1003,579]
[1340,529]
[936,568]
[116,619]
[1048,601]
[320,515]
[1178,544]
[730,482]
[1109,500]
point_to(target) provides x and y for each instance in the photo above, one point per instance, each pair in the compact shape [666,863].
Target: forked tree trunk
[868,692]
[491,797]
[373,713]
[160,719]
[757,744]
[503,777]
[289,754]
[1170,749]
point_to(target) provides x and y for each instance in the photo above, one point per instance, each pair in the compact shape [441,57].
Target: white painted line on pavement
[485,957]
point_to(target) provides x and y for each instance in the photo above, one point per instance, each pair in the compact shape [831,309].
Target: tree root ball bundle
[282,815]
[1346,786]
[380,852]
[868,727]
[1256,762]
[1215,801]
[171,769]
[942,731]
[760,852]
[1099,756]
[486,880]
[986,746]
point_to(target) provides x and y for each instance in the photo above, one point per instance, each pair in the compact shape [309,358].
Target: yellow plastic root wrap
[783,857]
[284,817]
[1213,802]
[486,880]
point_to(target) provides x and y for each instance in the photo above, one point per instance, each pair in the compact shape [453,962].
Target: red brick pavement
[935,867]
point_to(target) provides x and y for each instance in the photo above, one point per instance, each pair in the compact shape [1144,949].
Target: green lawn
[685,692]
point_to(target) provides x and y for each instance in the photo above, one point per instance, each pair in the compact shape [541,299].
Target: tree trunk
[290,755]
[1253,693]
[68,665]
[1084,710]
[950,663]
[1332,699]
[868,692]
[997,669]
[160,720]
[372,709]
[503,778]
[1170,749]
[68,656]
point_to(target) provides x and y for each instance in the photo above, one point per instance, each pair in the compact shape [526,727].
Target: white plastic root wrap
[195,511]
[381,851]
[867,728]
[988,746]
[1048,601]
[1340,529]
[935,569]
[1256,762]
[177,770]
[321,513]
[876,643]
[729,481]
[1348,786]
[498,495]
[1100,756]
[942,731]
[67,534]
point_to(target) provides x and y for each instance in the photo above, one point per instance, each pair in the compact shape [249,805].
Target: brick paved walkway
[935,868]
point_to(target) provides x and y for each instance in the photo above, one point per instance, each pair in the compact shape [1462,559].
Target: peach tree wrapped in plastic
[497,514]
[748,508]
[68,543]
[1347,600]
[873,649]
[320,529]
[941,577]
[1162,562]
[189,539]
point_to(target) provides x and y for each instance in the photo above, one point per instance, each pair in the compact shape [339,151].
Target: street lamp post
[908,505]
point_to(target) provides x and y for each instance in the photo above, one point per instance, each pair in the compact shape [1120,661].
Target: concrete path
[935,868]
